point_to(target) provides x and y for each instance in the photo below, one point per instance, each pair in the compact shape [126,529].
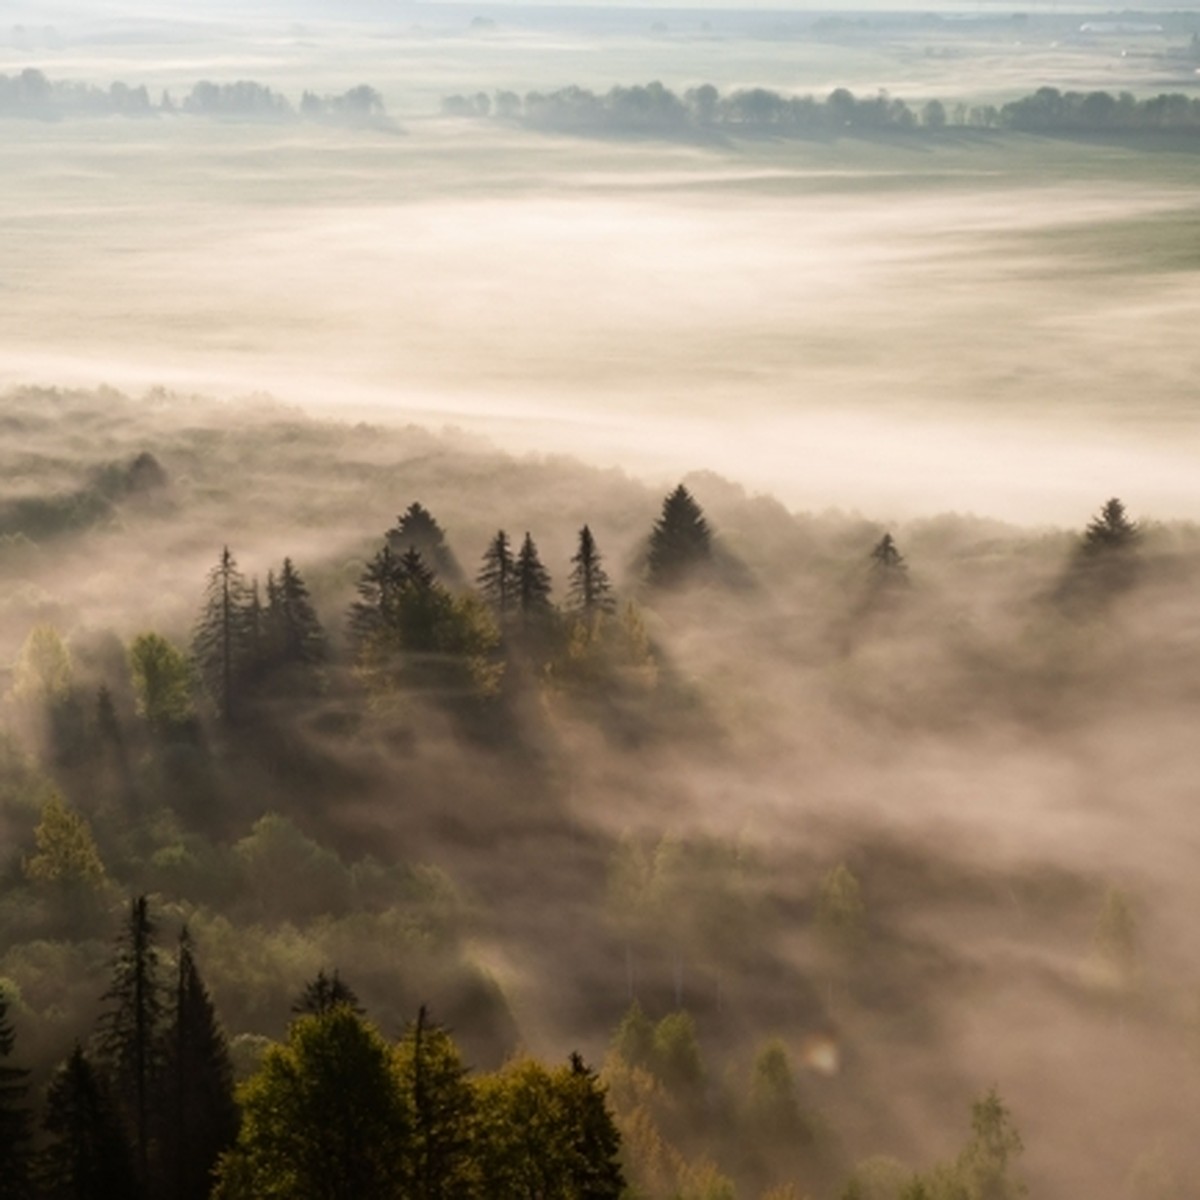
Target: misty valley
[598,603]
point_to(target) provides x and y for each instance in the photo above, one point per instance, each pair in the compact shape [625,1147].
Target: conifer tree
[295,633]
[439,1152]
[680,542]
[377,589]
[326,992]
[886,557]
[1110,529]
[202,1120]
[497,576]
[15,1117]
[532,582]
[131,1029]
[589,590]
[417,529]
[221,642]
[594,1142]
[87,1156]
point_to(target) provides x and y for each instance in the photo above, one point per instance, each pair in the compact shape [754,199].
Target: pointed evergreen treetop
[680,541]
[325,992]
[417,529]
[886,555]
[589,590]
[222,642]
[496,578]
[532,580]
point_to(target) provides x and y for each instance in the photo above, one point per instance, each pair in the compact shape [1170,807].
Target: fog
[968,341]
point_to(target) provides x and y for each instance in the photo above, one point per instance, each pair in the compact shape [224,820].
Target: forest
[705,111]
[383,815]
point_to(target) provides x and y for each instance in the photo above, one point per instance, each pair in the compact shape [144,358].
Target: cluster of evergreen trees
[413,612]
[149,1110]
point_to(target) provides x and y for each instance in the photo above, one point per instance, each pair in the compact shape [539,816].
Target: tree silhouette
[87,1156]
[497,575]
[325,992]
[531,583]
[589,591]
[417,529]
[202,1118]
[1111,529]
[438,1152]
[131,1030]
[680,542]
[372,612]
[15,1117]
[887,559]
[220,643]
[324,1116]
[294,632]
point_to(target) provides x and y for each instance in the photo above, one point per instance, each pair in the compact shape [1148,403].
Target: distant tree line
[31,94]
[704,111]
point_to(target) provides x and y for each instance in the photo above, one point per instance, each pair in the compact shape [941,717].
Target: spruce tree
[886,556]
[1111,529]
[680,542]
[295,633]
[221,640]
[87,1156]
[15,1116]
[531,583]
[589,591]
[201,1117]
[417,529]
[595,1144]
[496,578]
[377,589]
[131,1029]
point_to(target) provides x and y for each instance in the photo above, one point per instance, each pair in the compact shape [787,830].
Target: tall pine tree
[532,583]
[131,1030]
[497,575]
[201,1119]
[589,591]
[680,543]
[294,631]
[221,642]
[373,611]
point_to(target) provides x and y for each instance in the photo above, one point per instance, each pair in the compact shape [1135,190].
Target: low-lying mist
[986,729]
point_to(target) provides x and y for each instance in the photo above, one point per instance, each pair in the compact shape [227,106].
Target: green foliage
[66,852]
[547,1135]
[325,992]
[162,682]
[634,1038]
[439,1160]
[677,1059]
[43,669]
[324,1115]
[773,1107]
[288,874]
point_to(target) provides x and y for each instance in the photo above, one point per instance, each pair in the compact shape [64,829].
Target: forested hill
[446,759]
